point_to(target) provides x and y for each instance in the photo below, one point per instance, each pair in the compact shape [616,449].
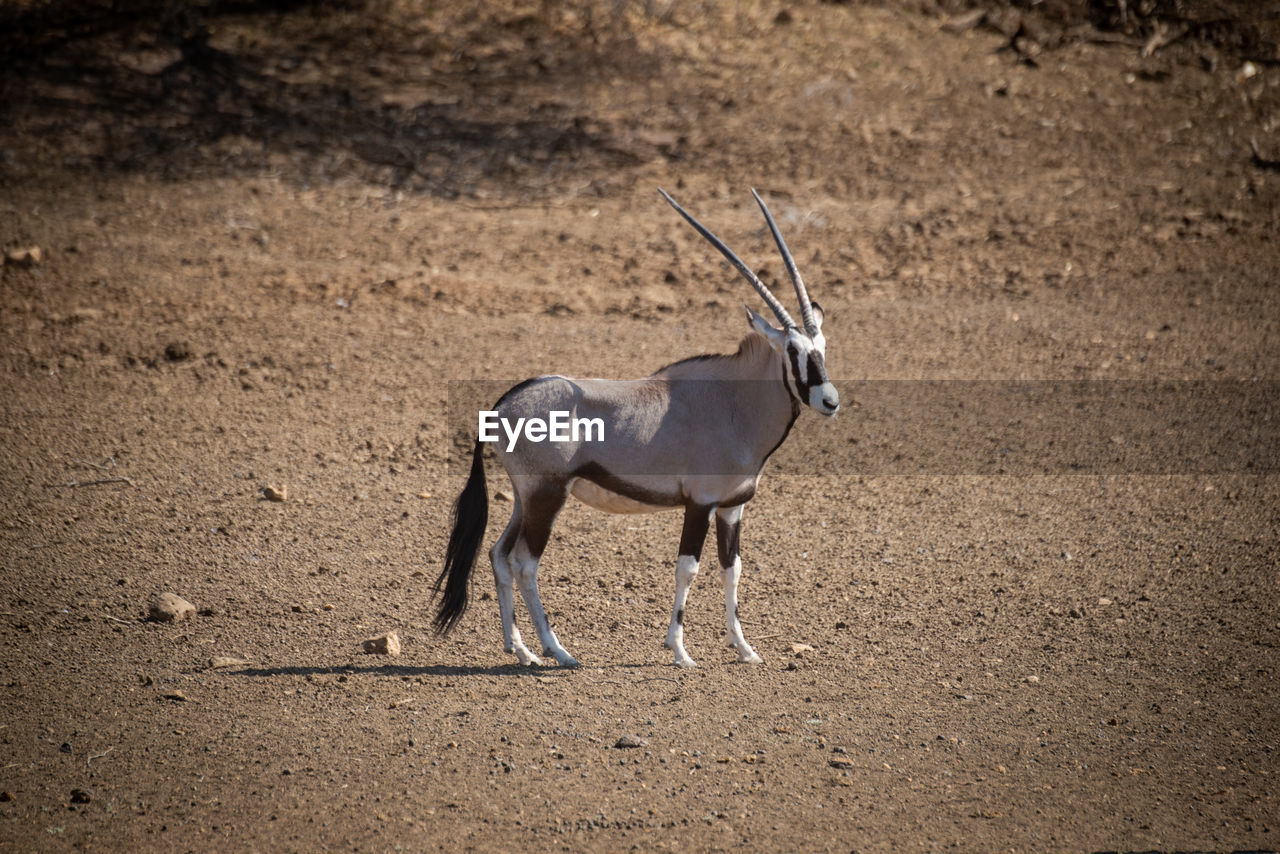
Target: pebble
[176,696]
[1033,680]
[503,496]
[385,644]
[799,648]
[170,608]
[273,493]
[839,762]
[628,741]
[1104,602]
[220,661]
[81,796]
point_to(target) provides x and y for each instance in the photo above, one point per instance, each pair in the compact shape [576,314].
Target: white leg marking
[686,571]
[732,516]
[505,583]
[525,566]
[745,653]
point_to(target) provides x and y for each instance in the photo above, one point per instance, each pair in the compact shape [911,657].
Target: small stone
[81,796]
[170,608]
[840,762]
[1032,680]
[629,741]
[176,696]
[385,644]
[272,493]
[177,351]
[5,797]
[65,747]
[1104,602]
[799,648]
[503,496]
[220,661]
[28,256]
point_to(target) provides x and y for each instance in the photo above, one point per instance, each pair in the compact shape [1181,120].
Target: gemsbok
[695,434]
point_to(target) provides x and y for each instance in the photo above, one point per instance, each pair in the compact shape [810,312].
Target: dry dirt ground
[263,260]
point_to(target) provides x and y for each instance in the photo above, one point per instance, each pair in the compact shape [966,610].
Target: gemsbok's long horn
[806,309]
[769,298]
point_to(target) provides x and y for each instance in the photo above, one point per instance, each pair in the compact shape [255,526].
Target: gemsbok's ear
[818,313]
[775,335]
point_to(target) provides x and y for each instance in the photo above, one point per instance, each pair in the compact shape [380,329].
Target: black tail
[470,515]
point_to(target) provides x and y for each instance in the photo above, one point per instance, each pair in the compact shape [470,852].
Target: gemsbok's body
[694,435]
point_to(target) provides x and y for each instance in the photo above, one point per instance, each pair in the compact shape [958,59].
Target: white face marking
[825,399]
[806,372]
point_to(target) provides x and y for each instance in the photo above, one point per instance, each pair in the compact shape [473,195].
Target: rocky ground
[248,263]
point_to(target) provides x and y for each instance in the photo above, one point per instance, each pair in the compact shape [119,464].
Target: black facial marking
[800,386]
[815,371]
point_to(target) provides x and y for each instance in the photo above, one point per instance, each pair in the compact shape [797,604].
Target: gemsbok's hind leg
[728,530]
[696,522]
[540,511]
[504,582]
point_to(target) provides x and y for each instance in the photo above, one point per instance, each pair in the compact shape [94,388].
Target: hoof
[527,658]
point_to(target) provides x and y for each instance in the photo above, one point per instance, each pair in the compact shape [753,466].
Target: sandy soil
[263,264]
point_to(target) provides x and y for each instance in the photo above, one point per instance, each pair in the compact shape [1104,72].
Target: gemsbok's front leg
[696,522]
[728,534]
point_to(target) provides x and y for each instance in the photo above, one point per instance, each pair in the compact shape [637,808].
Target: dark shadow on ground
[398,670]
[479,105]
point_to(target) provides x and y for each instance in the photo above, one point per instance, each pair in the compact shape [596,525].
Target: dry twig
[98,755]
[75,484]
